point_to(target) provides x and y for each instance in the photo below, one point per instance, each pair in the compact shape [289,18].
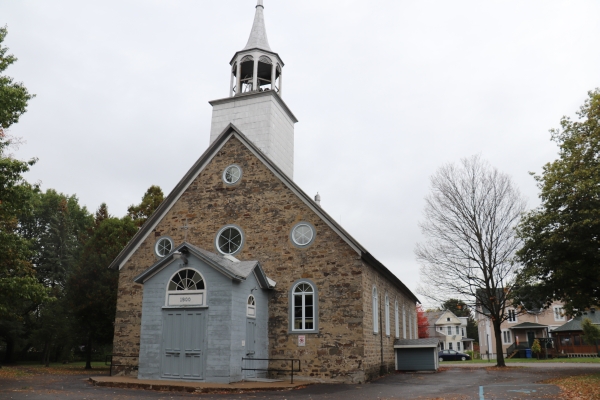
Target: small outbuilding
[417,354]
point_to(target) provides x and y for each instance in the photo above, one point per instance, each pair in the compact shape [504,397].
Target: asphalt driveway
[451,383]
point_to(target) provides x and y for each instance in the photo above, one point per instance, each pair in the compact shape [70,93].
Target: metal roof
[236,270]
[416,343]
[258,36]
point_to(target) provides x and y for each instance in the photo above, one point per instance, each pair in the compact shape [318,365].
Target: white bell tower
[255,104]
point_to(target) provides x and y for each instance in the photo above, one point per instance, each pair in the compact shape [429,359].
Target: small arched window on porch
[186,288]
[251,307]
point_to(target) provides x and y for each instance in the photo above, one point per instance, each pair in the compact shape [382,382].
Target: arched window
[251,307]
[396,316]
[304,307]
[375,311]
[387,315]
[403,322]
[186,288]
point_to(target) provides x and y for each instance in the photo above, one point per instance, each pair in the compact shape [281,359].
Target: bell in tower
[255,105]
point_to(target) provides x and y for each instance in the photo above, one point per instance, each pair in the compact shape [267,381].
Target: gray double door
[250,348]
[184,334]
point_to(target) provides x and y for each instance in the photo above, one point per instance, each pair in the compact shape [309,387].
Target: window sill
[183,307]
[311,332]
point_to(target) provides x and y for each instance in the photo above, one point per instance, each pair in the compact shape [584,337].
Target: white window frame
[387,315]
[375,310]
[410,330]
[314,307]
[457,346]
[450,346]
[449,330]
[201,293]
[506,336]
[403,321]
[514,315]
[558,310]
[160,239]
[251,307]
[397,320]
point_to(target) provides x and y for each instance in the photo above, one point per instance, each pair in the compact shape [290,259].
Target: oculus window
[186,288]
[163,246]
[232,174]
[229,240]
[303,298]
[303,234]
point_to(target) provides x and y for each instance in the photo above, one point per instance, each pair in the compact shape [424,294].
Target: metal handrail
[273,369]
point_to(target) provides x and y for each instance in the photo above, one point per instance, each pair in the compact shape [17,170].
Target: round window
[303,234]
[232,174]
[163,246]
[229,240]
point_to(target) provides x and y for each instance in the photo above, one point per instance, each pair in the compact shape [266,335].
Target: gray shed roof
[236,270]
[575,323]
[198,167]
[416,343]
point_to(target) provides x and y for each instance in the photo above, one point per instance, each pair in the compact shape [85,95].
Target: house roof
[236,270]
[229,132]
[416,343]
[575,323]
[528,325]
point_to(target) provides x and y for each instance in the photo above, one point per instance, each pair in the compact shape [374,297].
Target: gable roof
[528,325]
[229,132]
[416,343]
[575,323]
[238,271]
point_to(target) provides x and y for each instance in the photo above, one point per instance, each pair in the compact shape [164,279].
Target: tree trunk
[10,349]
[47,353]
[499,352]
[88,353]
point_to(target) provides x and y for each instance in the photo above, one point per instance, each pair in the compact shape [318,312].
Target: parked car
[453,355]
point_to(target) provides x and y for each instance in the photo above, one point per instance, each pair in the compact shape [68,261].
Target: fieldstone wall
[379,347]
[267,210]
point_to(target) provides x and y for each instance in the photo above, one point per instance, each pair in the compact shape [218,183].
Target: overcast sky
[386,92]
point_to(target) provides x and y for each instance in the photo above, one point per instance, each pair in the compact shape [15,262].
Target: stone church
[238,268]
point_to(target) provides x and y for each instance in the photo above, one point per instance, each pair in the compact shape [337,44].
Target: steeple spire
[258,36]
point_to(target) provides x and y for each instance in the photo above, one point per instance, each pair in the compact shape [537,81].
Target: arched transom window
[304,307]
[186,288]
[251,307]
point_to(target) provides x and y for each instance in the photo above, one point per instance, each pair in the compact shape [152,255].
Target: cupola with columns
[256,67]
[255,105]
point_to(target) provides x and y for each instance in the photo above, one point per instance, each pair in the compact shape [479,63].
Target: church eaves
[258,36]
[197,168]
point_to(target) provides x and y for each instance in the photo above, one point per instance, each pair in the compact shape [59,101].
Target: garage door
[416,359]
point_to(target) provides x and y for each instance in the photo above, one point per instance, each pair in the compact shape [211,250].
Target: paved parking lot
[453,383]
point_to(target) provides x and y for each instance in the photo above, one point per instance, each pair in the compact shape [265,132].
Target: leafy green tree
[92,288]
[13,95]
[591,333]
[536,348]
[461,309]
[150,202]
[19,287]
[561,238]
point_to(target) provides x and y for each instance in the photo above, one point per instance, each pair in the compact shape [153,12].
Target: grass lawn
[588,360]
[35,368]
[585,387]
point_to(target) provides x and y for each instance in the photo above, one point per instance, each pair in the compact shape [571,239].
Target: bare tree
[470,216]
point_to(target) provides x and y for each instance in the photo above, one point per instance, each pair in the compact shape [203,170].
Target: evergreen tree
[92,288]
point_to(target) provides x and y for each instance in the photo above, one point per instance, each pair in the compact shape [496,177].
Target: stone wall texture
[345,349]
